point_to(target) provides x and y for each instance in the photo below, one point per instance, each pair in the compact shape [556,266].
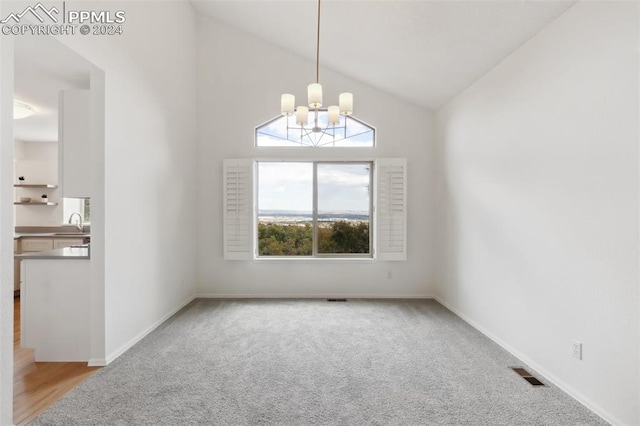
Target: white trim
[97,362]
[569,390]
[311,296]
[111,357]
[312,158]
[311,259]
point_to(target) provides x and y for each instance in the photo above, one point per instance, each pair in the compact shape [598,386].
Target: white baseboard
[606,416]
[311,296]
[145,332]
[97,362]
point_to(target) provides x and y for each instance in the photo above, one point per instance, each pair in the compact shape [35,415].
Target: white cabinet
[74,138]
[55,317]
[30,245]
[16,266]
[16,275]
[36,244]
[66,242]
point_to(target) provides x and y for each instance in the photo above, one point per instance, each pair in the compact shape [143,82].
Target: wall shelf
[31,203]
[27,185]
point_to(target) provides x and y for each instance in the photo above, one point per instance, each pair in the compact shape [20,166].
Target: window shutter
[391,208]
[238,206]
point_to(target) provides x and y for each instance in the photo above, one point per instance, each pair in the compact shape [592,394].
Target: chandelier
[320,128]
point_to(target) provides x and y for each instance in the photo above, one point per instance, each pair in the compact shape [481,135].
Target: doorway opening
[43,69]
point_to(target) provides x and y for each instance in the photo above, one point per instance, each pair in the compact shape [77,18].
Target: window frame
[314,213]
[82,210]
[390,205]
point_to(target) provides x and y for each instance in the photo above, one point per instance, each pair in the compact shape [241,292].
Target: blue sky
[289,186]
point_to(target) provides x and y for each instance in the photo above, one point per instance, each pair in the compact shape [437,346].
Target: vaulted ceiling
[425,52]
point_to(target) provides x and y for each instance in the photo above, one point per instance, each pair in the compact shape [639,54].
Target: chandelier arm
[333,143]
[275,136]
[319,139]
[345,126]
[326,132]
[307,134]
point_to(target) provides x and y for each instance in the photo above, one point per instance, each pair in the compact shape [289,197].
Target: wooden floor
[37,385]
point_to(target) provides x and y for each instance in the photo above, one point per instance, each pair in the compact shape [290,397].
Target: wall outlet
[576,349]
[389,275]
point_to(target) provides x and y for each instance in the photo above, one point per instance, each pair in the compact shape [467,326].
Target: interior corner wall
[6,228]
[538,188]
[240,80]
[149,163]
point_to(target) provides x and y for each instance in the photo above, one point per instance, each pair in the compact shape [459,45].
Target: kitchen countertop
[67,253]
[64,231]
[17,235]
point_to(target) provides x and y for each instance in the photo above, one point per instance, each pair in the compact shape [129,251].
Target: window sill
[303,259]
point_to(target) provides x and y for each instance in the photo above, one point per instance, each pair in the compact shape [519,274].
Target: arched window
[283,131]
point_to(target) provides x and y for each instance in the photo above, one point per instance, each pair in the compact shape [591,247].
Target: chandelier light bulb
[346,103]
[334,114]
[314,92]
[302,115]
[287,104]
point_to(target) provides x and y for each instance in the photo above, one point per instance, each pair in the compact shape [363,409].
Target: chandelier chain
[314,92]
[318,47]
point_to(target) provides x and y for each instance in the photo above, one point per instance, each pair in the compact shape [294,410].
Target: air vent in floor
[336,300]
[527,376]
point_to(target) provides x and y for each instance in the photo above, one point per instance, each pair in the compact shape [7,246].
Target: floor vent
[527,376]
[336,300]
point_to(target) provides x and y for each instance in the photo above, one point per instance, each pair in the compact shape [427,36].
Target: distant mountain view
[294,217]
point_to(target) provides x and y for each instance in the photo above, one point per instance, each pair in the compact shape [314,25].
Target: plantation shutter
[391,209]
[238,206]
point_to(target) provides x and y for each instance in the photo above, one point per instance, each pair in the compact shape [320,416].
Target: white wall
[539,195]
[149,160]
[6,228]
[240,80]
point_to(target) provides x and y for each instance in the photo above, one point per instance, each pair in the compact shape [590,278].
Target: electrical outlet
[389,275]
[576,349]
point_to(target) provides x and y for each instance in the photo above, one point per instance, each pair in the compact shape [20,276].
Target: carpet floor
[313,362]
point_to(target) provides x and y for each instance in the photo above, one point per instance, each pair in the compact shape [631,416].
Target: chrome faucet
[79,223]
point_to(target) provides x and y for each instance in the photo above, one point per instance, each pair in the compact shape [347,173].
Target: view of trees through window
[335,208]
[77,205]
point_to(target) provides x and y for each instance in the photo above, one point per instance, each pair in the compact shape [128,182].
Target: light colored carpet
[313,362]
